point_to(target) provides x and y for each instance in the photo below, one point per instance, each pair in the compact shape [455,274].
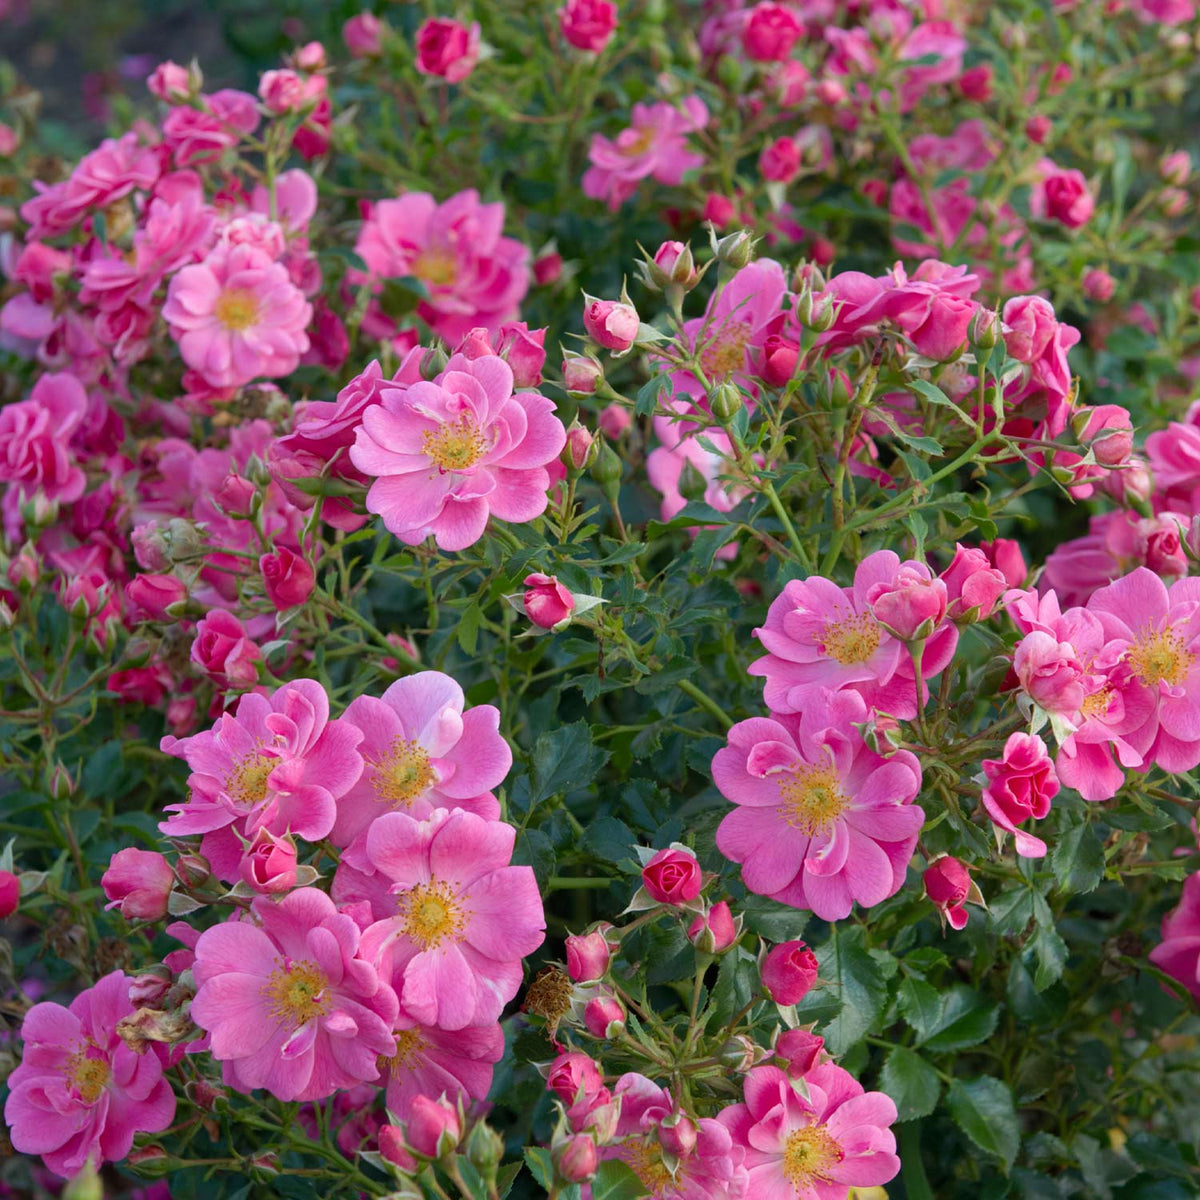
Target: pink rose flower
[715,931]
[576,1080]
[832,1136]
[447,49]
[448,454]
[673,877]
[588,24]
[912,605]
[224,651]
[800,1049]
[588,955]
[80,1094]
[279,764]
[423,752]
[1020,787]
[947,885]
[943,333]
[288,1001]
[269,864]
[611,324]
[770,32]
[973,584]
[153,595]
[10,894]
[1060,195]
[288,578]
[170,82]
[465,917]
[547,603]
[138,882]
[283,91]
[1098,285]
[1179,952]
[1049,672]
[237,316]
[363,35]
[789,972]
[35,437]
[779,161]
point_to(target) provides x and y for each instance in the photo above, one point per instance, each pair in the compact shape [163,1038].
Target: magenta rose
[789,972]
[139,883]
[224,652]
[288,578]
[673,877]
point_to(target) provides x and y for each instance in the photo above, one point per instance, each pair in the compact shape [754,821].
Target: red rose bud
[1098,285]
[800,1050]
[288,578]
[433,1128]
[677,1134]
[477,344]
[10,894]
[224,652]
[153,596]
[580,450]
[613,421]
[1175,168]
[972,583]
[780,355]
[611,324]
[1037,128]
[236,495]
[269,864]
[588,954]
[393,1149]
[548,268]
[578,1158]
[948,884]
[789,972]
[139,882]
[1005,555]
[604,1017]
[976,83]
[715,931]
[547,603]
[770,32]
[673,876]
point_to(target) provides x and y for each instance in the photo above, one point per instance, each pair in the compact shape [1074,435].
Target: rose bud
[363,35]
[1175,168]
[310,57]
[1005,555]
[155,595]
[604,1017]
[580,450]
[288,578]
[1098,285]
[673,876]
[433,1128]
[1108,430]
[789,972]
[677,1134]
[547,268]
[1037,128]
[675,264]
[581,374]
[973,585]
[780,355]
[614,420]
[1020,786]
[269,864]
[800,1050]
[912,605]
[150,988]
[770,32]
[524,350]
[588,954]
[224,652]
[547,603]
[949,886]
[611,324]
[140,882]
[393,1149]
[10,894]
[715,931]
[578,1158]
[236,495]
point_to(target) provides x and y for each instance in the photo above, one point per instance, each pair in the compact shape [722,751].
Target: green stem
[706,702]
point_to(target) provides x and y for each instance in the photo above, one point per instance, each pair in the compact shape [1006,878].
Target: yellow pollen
[431,914]
[644,1158]
[1160,657]
[812,798]
[402,774]
[298,992]
[456,445]
[1096,705]
[726,351]
[638,144]
[853,640]
[247,782]
[410,1045]
[808,1156]
[88,1076]
[236,308]
[436,265]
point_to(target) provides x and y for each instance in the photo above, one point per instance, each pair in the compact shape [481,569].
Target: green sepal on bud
[726,402]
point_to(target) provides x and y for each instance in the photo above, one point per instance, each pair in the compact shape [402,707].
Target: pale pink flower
[279,764]
[422,752]
[822,636]
[466,917]
[1020,786]
[822,821]
[237,316]
[289,1003]
[655,145]
[1179,952]
[80,1093]
[474,275]
[432,1061]
[814,1144]
[35,440]
[448,454]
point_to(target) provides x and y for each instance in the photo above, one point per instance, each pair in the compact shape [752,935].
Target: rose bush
[598,601]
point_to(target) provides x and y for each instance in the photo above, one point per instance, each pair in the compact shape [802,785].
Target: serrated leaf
[855,984]
[911,1082]
[607,838]
[921,1004]
[647,397]
[540,1166]
[983,1109]
[964,1019]
[1077,859]
[563,760]
[616,1181]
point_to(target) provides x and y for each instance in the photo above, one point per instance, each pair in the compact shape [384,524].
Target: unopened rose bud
[1098,285]
[433,1128]
[547,603]
[1175,168]
[614,421]
[604,1017]
[715,931]
[675,265]
[985,329]
[10,894]
[577,1160]
[148,989]
[611,324]
[948,886]
[581,374]
[677,1134]
[789,972]
[484,1147]
[433,362]
[265,1164]
[588,954]
[607,471]
[823,314]
[800,1050]
[236,496]
[580,450]
[61,784]
[726,402]
[204,1095]
[1037,128]
[735,250]
[1173,202]
[192,871]
[393,1149]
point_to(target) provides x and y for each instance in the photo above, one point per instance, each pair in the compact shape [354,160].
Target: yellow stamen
[236,309]
[298,992]
[726,351]
[853,640]
[431,914]
[644,1158]
[812,798]
[1159,656]
[247,782]
[437,265]
[402,774]
[455,445]
[1096,705]
[88,1076]
[808,1156]
[410,1045]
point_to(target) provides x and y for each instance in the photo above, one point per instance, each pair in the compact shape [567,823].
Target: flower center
[812,799]
[644,1158]
[247,782]
[632,142]
[1161,657]
[402,774]
[236,309]
[456,445]
[726,351]
[431,914]
[410,1045]
[88,1075]
[808,1156]
[853,640]
[298,993]
[437,265]
[1096,705]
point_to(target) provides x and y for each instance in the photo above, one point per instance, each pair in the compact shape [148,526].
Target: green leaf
[647,397]
[774,921]
[1077,859]
[608,838]
[984,1111]
[965,1019]
[563,760]
[855,984]
[467,631]
[1051,953]
[911,1082]
[921,1004]
[616,1181]
[540,1165]
[506,1176]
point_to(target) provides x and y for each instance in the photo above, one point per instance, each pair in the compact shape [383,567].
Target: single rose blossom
[1060,195]
[948,885]
[269,864]
[715,931]
[363,35]
[224,652]
[138,882]
[547,603]
[288,578]
[611,324]
[447,49]
[588,24]
[789,972]
[588,955]
[770,32]
[1020,787]
[673,876]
